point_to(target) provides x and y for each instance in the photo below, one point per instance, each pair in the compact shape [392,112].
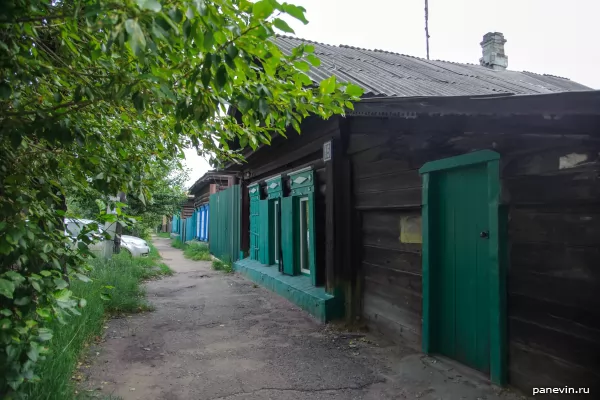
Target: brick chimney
[492,48]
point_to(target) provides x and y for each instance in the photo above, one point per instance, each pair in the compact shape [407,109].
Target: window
[276,231]
[304,236]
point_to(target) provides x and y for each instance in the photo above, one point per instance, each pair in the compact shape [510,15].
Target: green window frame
[254,192]
[298,218]
[274,186]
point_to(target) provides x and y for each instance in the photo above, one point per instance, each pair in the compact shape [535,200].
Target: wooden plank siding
[553,206]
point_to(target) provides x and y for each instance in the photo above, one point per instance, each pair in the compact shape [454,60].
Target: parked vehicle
[136,246]
[73,228]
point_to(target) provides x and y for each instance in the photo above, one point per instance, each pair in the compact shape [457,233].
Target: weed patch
[177,243]
[115,289]
[165,235]
[219,265]
[197,252]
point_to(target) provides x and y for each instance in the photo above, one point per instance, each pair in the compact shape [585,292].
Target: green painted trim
[312,254]
[476,157]
[498,257]
[425,335]
[274,187]
[497,277]
[302,182]
[297,289]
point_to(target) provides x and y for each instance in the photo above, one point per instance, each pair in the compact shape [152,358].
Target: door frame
[497,252]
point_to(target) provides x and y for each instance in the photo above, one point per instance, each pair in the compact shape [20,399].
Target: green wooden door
[460,265]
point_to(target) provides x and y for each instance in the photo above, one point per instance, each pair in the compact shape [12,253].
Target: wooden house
[181,220]
[456,209]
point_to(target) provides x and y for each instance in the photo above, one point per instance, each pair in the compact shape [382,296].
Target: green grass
[69,341]
[177,243]
[166,235]
[197,252]
[219,265]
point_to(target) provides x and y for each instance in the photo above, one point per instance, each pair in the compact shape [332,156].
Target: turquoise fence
[224,223]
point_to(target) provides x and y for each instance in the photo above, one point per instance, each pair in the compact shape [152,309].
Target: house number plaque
[327,151]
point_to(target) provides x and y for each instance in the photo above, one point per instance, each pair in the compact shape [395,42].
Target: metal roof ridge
[550,75]
[347,46]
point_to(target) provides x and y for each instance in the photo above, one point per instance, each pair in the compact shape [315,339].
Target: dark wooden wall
[202,196]
[553,224]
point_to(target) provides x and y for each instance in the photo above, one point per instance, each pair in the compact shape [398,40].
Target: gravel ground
[216,336]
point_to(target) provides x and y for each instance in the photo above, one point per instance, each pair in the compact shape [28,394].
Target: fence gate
[224,223]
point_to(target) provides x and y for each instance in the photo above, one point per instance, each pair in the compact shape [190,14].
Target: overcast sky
[555,37]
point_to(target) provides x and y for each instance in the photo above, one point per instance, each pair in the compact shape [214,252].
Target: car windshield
[74,228]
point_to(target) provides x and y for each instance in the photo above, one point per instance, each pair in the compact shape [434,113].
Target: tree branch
[75,105]
[34,19]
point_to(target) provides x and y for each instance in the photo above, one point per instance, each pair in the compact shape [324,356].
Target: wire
[427,26]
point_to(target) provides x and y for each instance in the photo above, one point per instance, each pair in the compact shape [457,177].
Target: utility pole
[427,26]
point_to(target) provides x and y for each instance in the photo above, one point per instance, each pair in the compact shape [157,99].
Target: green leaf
[5,91]
[262,9]
[15,277]
[327,86]
[63,295]
[138,101]
[5,323]
[263,106]
[44,334]
[23,301]
[60,283]
[221,77]
[43,312]
[36,286]
[105,296]
[12,352]
[282,25]
[7,288]
[209,41]
[45,273]
[354,90]
[302,66]
[33,352]
[314,60]
[151,5]
[232,51]
[6,312]
[296,12]
[83,278]
[137,40]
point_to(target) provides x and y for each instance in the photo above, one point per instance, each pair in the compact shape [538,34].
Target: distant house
[209,184]
[457,209]
[178,221]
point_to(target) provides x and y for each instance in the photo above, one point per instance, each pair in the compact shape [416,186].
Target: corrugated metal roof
[382,73]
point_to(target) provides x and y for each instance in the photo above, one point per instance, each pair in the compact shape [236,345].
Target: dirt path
[215,337]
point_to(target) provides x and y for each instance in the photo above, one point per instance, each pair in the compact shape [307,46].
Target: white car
[73,228]
[136,246]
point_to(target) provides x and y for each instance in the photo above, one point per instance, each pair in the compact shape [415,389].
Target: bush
[115,289]
[197,252]
[165,235]
[219,265]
